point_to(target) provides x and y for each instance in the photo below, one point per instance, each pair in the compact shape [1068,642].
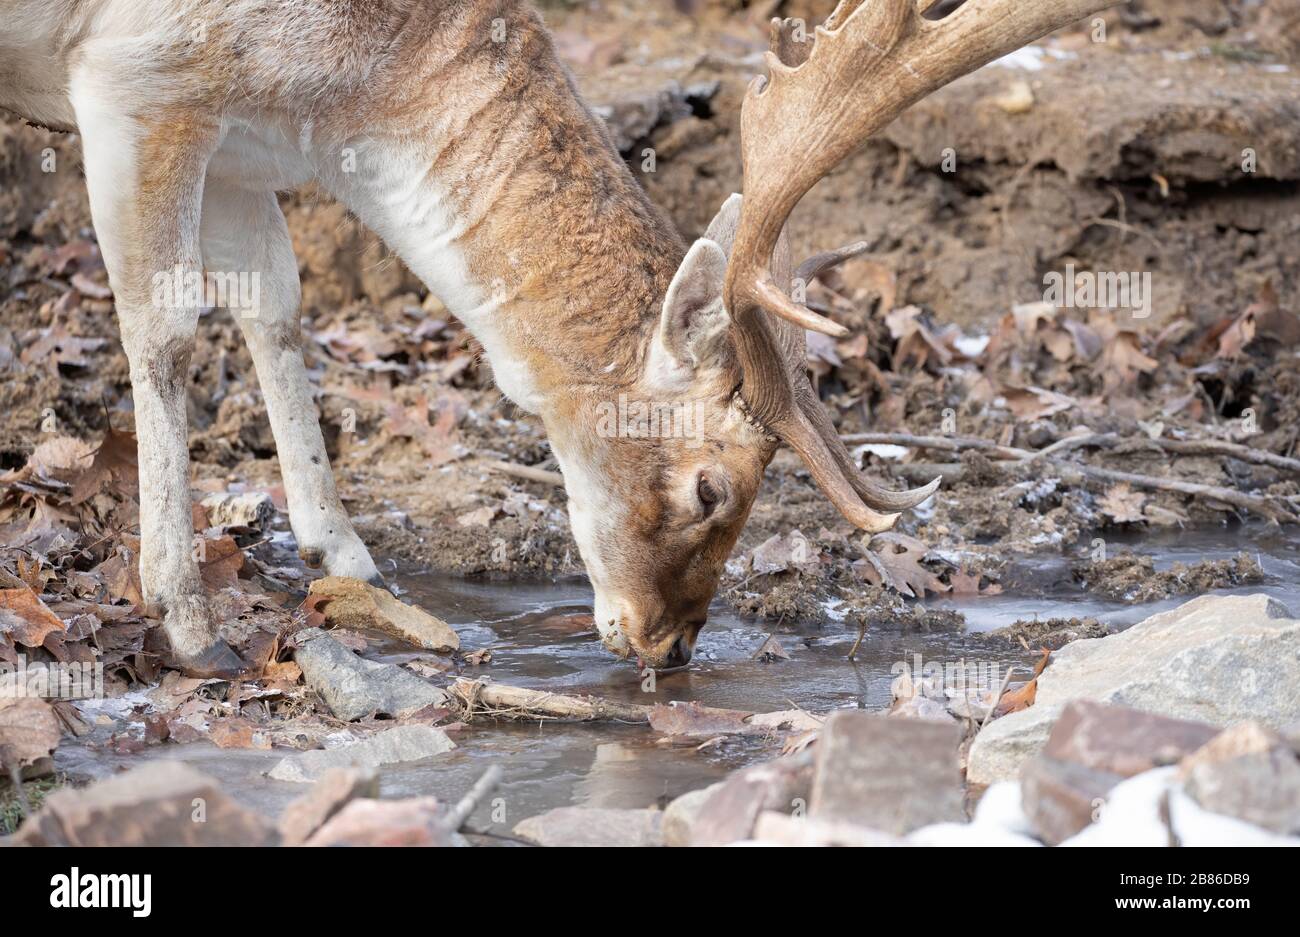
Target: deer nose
[679,655]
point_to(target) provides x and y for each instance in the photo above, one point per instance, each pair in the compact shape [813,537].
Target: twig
[1262,505]
[1258,504]
[521,703]
[1195,447]
[473,797]
[527,472]
[997,699]
[942,443]
[862,630]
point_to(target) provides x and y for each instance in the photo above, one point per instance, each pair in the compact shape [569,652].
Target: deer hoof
[217,660]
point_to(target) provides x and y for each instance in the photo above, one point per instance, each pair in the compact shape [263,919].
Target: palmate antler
[869,61]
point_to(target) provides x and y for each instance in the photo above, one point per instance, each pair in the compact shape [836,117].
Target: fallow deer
[451,129]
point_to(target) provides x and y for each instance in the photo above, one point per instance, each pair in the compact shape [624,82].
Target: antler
[870,60]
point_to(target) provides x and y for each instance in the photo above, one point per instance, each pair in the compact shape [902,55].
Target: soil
[1132,156]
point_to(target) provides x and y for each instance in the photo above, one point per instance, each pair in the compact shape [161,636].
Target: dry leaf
[25,618]
[222,559]
[113,467]
[898,565]
[29,730]
[1122,504]
[695,719]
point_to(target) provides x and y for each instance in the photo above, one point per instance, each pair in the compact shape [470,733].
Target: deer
[451,129]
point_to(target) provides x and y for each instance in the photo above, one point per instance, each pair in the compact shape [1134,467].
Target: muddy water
[556,764]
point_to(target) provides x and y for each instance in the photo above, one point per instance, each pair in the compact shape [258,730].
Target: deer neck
[504,194]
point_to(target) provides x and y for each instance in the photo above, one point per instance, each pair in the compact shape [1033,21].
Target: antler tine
[871,59]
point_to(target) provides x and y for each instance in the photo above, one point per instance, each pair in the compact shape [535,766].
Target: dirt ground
[1168,148]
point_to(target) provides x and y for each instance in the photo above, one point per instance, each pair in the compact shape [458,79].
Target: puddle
[557,764]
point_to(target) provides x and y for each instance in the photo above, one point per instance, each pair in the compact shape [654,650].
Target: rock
[354,687]
[1216,659]
[165,803]
[1122,740]
[729,813]
[247,509]
[351,603]
[1061,798]
[630,114]
[682,813]
[1134,814]
[892,775]
[329,795]
[1149,809]
[1245,738]
[392,746]
[416,821]
[1249,773]
[593,826]
[781,829]
[1193,825]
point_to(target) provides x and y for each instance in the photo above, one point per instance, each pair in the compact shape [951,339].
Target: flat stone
[682,813]
[1122,740]
[355,688]
[416,821]
[593,826]
[351,603]
[783,785]
[392,746]
[335,789]
[1061,798]
[1250,773]
[164,803]
[1216,659]
[891,775]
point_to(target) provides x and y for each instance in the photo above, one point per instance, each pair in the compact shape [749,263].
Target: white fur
[592,509]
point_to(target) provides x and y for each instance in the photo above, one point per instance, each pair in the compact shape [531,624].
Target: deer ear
[694,322]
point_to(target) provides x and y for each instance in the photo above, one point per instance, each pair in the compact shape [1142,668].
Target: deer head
[659,493]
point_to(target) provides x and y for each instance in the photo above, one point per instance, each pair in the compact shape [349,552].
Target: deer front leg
[244,233]
[144,173]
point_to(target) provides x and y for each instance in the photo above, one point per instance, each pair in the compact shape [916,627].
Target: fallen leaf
[898,565]
[1023,696]
[237,732]
[967,583]
[26,618]
[220,563]
[1122,504]
[677,719]
[29,730]
[771,651]
[113,468]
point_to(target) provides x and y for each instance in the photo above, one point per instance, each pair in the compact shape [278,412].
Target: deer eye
[709,494]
